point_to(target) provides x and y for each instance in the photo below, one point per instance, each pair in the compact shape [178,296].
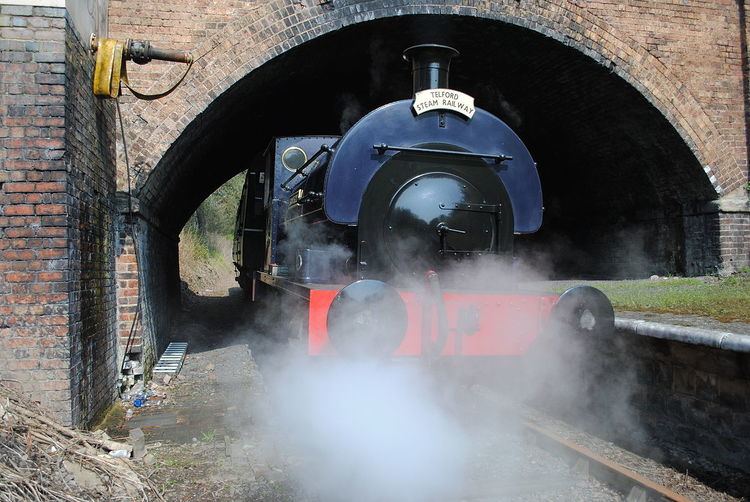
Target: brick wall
[697,44]
[702,250]
[734,240]
[685,58]
[56,185]
[35,205]
[161,279]
[90,159]
[660,397]
[175,24]
[157,271]
[127,288]
[696,242]
[700,42]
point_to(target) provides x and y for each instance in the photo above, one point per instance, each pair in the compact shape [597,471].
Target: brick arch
[277,26]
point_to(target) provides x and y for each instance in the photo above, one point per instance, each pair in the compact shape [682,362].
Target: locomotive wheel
[585,311]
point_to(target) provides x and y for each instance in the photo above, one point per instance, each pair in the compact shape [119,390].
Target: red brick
[18,187]
[49,254]
[17,343]
[51,276]
[50,209]
[18,254]
[19,277]
[50,187]
[25,364]
[53,320]
[54,385]
[51,232]
[32,198]
[56,243]
[53,364]
[18,210]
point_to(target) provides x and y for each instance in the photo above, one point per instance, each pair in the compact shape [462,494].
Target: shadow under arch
[607,156]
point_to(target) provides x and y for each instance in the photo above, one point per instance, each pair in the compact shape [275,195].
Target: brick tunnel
[625,194]
[615,171]
[639,175]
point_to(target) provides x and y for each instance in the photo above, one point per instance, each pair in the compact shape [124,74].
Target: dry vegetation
[204,260]
[41,460]
[206,239]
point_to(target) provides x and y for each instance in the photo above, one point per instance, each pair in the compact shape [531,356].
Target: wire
[134,324]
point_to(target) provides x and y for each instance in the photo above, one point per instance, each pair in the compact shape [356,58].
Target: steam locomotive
[368,230]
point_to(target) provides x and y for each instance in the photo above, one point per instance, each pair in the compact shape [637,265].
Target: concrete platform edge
[697,336]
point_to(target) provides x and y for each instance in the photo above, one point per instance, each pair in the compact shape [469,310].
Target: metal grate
[172,358]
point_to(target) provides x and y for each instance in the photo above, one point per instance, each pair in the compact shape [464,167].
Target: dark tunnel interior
[615,173]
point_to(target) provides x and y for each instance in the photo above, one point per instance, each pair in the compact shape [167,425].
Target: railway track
[550,457]
[636,487]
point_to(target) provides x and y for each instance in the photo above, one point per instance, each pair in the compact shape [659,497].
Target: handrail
[382,148]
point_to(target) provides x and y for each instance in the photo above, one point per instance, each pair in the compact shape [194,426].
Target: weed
[208,436]
[178,462]
[170,483]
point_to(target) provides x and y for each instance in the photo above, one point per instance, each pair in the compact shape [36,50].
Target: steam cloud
[493,99]
[379,59]
[351,111]
[375,430]
[369,430]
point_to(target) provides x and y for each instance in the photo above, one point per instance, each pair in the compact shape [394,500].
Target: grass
[723,298]
[178,462]
[199,247]
[202,260]
[208,436]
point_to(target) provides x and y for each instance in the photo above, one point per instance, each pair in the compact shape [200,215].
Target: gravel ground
[680,482]
[206,445]
[504,465]
[211,437]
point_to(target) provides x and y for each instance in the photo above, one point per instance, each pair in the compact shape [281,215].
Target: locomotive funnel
[430,65]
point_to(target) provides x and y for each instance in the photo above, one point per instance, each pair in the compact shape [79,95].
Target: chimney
[430,65]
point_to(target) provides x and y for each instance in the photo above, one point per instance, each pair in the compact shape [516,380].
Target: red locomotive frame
[506,324]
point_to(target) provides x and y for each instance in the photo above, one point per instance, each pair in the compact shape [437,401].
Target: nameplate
[443,99]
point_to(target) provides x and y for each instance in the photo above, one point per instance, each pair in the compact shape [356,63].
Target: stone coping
[35,3]
[724,340]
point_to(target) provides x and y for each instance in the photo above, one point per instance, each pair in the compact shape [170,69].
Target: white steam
[351,111]
[333,255]
[367,430]
[379,59]
[378,430]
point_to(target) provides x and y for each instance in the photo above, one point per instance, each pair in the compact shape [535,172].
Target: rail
[637,487]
